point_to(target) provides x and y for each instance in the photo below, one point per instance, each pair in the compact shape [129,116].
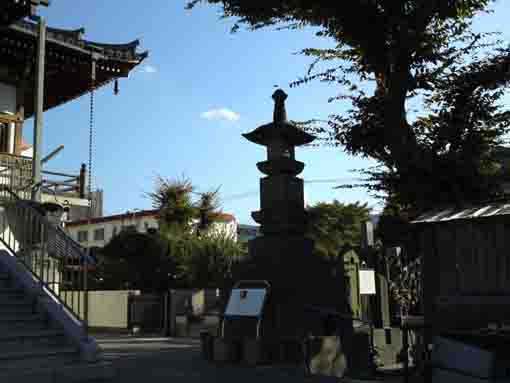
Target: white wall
[227,228]
[7,98]
[109,228]
[106,308]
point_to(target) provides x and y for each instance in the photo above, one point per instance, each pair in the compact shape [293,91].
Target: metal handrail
[49,254]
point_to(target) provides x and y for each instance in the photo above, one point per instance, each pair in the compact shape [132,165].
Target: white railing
[58,262]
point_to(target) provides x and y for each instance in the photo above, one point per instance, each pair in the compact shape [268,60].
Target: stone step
[7,327]
[9,298]
[13,314]
[7,357]
[62,373]
[10,318]
[24,344]
[31,338]
[30,334]
[38,362]
[11,291]
[16,306]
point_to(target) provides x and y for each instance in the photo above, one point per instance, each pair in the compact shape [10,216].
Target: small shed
[466,266]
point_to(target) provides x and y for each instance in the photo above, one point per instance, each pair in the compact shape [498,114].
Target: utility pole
[38,111]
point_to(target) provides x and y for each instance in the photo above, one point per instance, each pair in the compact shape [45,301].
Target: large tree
[173,198]
[387,53]
[209,261]
[180,213]
[134,260]
[209,210]
[336,227]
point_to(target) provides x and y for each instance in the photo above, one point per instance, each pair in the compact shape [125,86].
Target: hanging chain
[91,134]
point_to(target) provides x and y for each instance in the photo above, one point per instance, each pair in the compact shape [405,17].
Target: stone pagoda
[283,255]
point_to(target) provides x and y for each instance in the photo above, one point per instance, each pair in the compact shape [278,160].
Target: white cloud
[221,114]
[149,69]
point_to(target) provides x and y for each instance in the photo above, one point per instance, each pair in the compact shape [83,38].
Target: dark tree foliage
[134,260]
[336,227]
[180,213]
[173,199]
[386,54]
[209,209]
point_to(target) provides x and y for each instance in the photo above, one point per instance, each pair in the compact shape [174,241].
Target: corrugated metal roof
[450,214]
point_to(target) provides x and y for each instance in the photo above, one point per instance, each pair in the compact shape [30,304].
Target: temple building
[73,67]
[13,10]
[42,68]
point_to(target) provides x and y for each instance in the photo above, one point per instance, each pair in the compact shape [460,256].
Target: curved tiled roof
[69,60]
[74,37]
[12,10]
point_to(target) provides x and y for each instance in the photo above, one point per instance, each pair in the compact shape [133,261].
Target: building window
[114,231]
[99,234]
[146,224]
[83,236]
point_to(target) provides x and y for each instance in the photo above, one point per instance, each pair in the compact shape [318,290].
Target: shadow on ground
[169,360]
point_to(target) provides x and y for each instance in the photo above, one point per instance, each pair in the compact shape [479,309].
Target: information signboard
[367,282]
[246,302]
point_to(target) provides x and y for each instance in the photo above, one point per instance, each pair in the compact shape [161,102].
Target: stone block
[225,350]
[327,357]
[466,358]
[253,352]
[445,376]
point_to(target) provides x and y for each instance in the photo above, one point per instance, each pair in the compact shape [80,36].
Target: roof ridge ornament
[279,114]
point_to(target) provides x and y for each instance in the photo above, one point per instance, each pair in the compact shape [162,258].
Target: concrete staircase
[36,348]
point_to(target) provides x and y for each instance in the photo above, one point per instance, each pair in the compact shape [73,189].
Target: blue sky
[157,124]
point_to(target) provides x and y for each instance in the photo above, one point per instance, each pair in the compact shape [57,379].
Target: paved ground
[155,360]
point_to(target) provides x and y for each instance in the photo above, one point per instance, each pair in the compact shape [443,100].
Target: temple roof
[13,10]
[68,62]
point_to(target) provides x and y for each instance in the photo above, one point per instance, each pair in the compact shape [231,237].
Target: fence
[16,174]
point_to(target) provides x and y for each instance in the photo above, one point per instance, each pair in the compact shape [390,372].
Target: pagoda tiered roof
[68,62]
[286,131]
[13,10]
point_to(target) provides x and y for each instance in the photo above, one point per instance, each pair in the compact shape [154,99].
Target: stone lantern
[282,193]
[283,256]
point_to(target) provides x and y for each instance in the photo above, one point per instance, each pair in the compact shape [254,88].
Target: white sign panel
[367,282]
[246,302]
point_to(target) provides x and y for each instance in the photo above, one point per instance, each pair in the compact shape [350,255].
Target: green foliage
[415,52]
[336,227]
[134,260]
[201,253]
[209,209]
[208,261]
[179,212]
[173,199]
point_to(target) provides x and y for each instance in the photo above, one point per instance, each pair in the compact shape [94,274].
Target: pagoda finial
[279,115]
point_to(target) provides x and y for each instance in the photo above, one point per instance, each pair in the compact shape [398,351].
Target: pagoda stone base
[297,278]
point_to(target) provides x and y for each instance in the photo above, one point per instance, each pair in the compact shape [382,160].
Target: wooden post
[39,110]
[405,350]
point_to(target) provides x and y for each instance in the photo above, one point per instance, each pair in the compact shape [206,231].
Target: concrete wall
[203,301]
[107,309]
